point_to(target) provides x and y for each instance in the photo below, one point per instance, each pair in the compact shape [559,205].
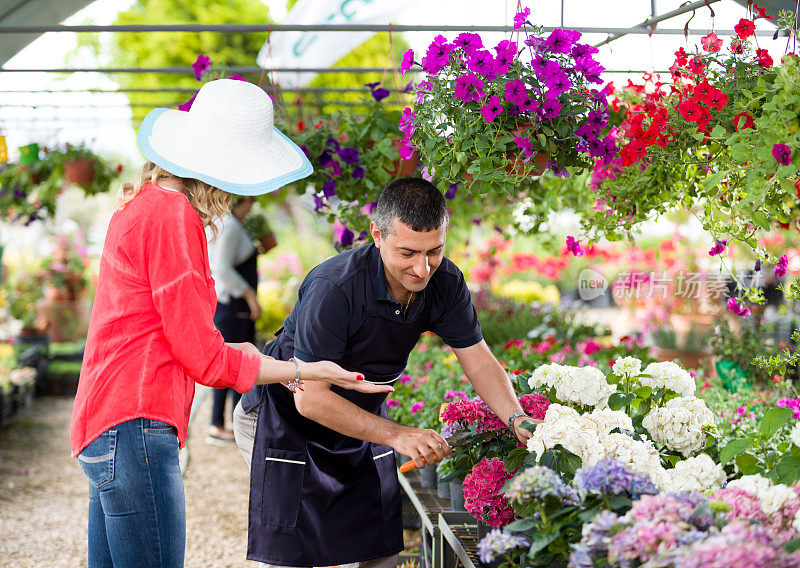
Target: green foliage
[750,348]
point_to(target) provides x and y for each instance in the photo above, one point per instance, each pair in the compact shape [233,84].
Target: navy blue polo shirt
[344,307]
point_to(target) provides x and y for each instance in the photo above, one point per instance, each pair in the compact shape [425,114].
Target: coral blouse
[151,333]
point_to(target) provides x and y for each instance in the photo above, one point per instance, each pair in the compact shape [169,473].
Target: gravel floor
[44,495]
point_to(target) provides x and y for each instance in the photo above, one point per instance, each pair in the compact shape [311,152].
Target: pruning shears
[458,439]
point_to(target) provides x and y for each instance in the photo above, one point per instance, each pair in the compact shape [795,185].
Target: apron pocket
[283,484]
[383,458]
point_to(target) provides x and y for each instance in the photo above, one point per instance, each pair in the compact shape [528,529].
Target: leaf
[733,449]
[747,464]
[774,420]
[540,540]
[792,545]
[788,469]
[644,392]
[521,525]
[718,131]
[531,460]
[619,400]
[714,179]
[620,502]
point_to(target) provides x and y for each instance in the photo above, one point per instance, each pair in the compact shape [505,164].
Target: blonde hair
[209,202]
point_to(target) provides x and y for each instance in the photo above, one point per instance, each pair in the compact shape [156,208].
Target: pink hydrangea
[482,493]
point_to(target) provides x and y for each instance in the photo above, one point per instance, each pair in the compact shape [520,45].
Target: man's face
[409,257]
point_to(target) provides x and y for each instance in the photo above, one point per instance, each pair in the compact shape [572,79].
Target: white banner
[322,49]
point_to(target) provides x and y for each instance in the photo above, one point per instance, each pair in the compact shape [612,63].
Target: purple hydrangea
[537,483]
[610,477]
[497,543]
[594,541]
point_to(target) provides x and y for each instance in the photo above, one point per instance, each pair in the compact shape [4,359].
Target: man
[324,487]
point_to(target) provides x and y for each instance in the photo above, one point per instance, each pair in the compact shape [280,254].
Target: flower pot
[404,167]
[427,476]
[35,178]
[79,171]
[516,161]
[690,360]
[29,154]
[442,488]
[56,294]
[457,496]
[267,243]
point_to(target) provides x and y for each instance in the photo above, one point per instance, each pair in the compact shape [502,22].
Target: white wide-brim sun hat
[227,139]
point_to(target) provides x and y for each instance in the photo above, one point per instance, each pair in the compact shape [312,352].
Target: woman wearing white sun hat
[151,334]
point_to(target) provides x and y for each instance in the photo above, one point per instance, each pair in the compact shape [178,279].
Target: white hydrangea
[794,436]
[699,473]
[641,457]
[563,425]
[627,367]
[679,424]
[796,522]
[771,496]
[605,420]
[753,484]
[669,375]
[580,385]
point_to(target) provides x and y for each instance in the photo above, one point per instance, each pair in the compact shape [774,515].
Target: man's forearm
[337,413]
[492,385]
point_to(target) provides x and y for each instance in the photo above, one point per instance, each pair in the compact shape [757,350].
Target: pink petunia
[711,43]
[408,61]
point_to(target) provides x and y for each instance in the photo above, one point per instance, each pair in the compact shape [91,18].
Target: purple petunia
[188,104]
[718,248]
[520,18]
[437,56]
[529,105]
[325,158]
[780,268]
[561,41]
[782,154]
[469,88]
[516,91]
[408,88]
[319,203]
[556,85]
[574,246]
[525,144]
[408,61]
[333,143]
[349,155]
[380,94]
[590,69]
[469,42]
[335,167]
[358,172]
[201,65]
[406,150]
[406,124]
[737,308]
[328,188]
[757,266]
[450,194]
[551,108]
[582,50]
[480,62]
[343,235]
[492,108]
[536,43]
[236,77]
[597,120]
[506,51]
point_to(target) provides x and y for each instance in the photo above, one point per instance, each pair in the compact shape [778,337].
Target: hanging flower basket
[518,164]
[79,171]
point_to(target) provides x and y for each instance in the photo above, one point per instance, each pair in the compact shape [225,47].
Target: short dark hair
[415,202]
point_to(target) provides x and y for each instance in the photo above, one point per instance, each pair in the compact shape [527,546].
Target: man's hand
[524,435]
[425,447]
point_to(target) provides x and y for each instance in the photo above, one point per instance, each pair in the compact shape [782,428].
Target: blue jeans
[137,512]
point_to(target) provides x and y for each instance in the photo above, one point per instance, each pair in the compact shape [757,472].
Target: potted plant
[77,164]
[21,198]
[24,295]
[494,116]
[263,237]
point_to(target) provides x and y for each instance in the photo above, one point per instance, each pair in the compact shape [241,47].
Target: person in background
[151,333]
[233,259]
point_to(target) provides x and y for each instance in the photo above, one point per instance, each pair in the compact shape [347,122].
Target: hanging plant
[493,118]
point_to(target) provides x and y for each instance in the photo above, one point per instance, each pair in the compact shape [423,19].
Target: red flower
[763,58]
[748,121]
[632,153]
[318,125]
[703,92]
[737,46]
[711,42]
[696,65]
[762,13]
[718,99]
[745,28]
[680,57]
[690,111]
[301,125]
[119,168]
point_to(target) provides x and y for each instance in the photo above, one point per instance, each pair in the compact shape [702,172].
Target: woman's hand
[251,298]
[334,374]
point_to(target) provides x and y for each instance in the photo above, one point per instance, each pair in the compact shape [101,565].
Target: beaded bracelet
[296,382]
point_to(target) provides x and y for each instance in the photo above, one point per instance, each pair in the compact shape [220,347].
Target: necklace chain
[408,302]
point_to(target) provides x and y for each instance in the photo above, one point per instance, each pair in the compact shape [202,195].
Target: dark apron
[317,497]
[233,319]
